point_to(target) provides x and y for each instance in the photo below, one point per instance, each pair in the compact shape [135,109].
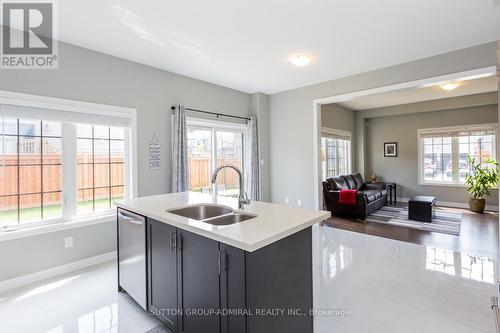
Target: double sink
[212,214]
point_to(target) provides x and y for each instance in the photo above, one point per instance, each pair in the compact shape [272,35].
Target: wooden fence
[30,180]
[200,173]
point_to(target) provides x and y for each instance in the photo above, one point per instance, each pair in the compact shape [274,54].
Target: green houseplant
[481,178]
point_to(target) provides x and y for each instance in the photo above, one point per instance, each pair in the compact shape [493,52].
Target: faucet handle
[245,200]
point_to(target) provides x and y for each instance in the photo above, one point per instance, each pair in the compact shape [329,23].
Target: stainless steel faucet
[242,198]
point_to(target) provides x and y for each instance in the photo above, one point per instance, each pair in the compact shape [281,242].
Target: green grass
[9,217]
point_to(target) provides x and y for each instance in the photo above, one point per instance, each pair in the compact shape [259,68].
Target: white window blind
[336,136]
[455,132]
[71,116]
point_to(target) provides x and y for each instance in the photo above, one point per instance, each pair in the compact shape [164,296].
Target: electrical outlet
[299,202]
[68,242]
[262,162]
[287,200]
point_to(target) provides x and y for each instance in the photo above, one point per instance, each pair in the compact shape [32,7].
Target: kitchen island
[200,264]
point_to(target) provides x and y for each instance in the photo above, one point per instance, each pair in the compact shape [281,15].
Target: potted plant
[481,178]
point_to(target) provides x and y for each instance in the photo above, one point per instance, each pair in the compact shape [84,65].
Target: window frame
[455,151]
[93,188]
[214,126]
[80,111]
[348,134]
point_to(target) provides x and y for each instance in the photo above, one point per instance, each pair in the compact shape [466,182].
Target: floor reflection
[337,261]
[467,266]
[103,320]
[83,302]
[391,286]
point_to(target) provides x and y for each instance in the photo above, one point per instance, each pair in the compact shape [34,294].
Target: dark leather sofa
[370,196]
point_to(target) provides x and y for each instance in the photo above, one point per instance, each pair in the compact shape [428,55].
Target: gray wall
[260,108]
[90,76]
[335,116]
[35,253]
[403,128]
[292,166]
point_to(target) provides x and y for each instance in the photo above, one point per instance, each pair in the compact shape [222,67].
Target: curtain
[180,174]
[253,170]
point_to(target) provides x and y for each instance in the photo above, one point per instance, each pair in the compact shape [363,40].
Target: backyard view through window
[100,167]
[335,154]
[30,171]
[32,163]
[209,147]
[444,153]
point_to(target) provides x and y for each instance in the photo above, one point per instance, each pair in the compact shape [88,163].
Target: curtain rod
[215,113]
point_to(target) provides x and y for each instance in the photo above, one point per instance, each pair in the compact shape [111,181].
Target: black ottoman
[421,208]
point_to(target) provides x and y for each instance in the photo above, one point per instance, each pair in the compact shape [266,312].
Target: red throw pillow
[348,197]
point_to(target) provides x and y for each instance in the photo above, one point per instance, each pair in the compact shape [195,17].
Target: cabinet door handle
[221,262]
[496,312]
[173,241]
[218,263]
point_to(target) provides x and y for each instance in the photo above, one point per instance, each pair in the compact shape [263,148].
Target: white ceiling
[421,94]
[245,44]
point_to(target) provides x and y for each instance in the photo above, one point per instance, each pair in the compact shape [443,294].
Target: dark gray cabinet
[162,273]
[199,287]
[232,289]
[215,286]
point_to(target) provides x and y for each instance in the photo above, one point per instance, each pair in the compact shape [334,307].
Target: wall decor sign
[390,149]
[154,153]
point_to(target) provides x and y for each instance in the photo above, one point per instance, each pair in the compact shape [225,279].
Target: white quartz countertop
[273,221]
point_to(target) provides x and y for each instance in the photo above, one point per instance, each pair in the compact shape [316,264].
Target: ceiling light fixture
[300,59]
[450,86]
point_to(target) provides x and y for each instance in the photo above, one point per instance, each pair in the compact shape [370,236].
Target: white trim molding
[27,279]
[43,228]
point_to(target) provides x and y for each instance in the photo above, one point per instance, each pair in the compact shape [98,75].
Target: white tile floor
[385,286]
[390,286]
[84,302]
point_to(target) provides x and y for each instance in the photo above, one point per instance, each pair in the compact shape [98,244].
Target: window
[335,153]
[211,146]
[61,165]
[443,152]
[100,167]
[30,179]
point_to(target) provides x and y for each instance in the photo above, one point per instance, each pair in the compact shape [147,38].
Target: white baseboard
[55,271]
[453,204]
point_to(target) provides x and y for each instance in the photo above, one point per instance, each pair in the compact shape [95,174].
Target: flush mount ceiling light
[300,59]
[450,86]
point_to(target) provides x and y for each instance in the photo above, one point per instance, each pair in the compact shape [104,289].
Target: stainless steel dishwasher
[132,255]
